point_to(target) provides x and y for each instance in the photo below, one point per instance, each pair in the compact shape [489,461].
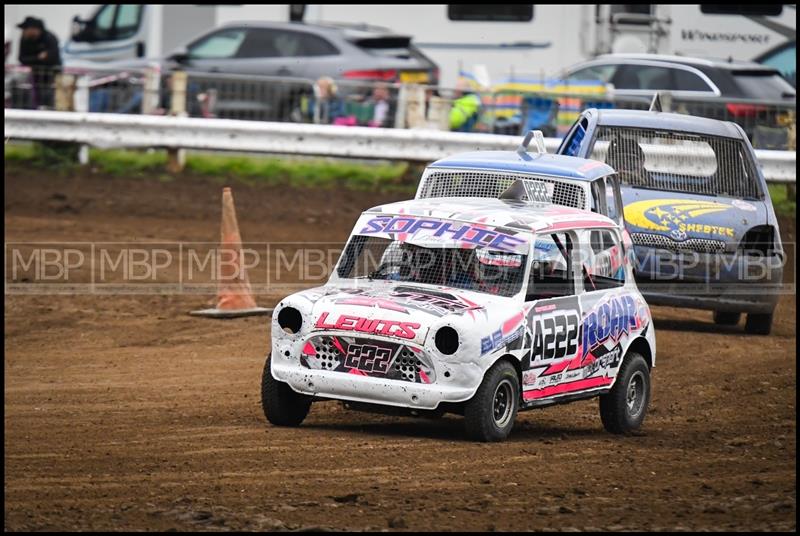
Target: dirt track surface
[124,413]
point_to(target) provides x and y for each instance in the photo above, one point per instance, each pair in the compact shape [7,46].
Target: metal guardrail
[416,145]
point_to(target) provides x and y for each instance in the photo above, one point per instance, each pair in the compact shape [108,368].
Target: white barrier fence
[140,131]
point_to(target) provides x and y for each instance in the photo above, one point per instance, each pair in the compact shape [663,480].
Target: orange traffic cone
[234,295]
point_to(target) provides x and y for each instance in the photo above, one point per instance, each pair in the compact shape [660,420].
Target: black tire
[623,409]
[490,414]
[758,324]
[722,318]
[282,406]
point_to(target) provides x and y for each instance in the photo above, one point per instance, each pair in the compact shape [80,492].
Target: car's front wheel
[490,413]
[282,406]
[623,408]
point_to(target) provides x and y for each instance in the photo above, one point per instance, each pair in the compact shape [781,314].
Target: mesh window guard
[678,162]
[461,183]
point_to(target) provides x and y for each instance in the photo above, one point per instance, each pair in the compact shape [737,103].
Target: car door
[553,320]
[608,310]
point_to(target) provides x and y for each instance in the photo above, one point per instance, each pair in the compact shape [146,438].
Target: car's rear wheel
[722,318]
[623,409]
[490,413]
[758,324]
[282,406]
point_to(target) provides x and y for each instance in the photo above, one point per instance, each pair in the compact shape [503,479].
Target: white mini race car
[475,306]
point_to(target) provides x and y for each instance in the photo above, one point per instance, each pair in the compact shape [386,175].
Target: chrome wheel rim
[635,395]
[503,404]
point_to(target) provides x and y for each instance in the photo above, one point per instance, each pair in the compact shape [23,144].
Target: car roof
[497,213]
[538,164]
[666,121]
[718,63]
[346,30]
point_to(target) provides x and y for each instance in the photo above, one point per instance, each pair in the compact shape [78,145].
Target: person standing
[38,49]
[466,108]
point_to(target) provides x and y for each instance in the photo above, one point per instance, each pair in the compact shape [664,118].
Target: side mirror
[180,55]
[78,28]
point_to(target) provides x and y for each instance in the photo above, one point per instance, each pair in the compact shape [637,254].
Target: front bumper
[452,383]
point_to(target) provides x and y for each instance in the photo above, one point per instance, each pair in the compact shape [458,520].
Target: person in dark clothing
[38,49]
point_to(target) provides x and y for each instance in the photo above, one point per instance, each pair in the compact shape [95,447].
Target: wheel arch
[642,347]
[515,362]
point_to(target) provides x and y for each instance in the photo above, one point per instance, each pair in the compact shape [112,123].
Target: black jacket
[29,51]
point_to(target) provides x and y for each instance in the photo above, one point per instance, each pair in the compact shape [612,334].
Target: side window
[128,19]
[634,76]
[314,45]
[115,21]
[260,43]
[573,143]
[688,81]
[601,260]
[267,43]
[104,22]
[611,199]
[288,44]
[222,44]
[785,60]
[598,189]
[551,268]
[595,72]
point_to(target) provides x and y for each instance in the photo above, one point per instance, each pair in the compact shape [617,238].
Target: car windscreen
[678,161]
[477,269]
[766,85]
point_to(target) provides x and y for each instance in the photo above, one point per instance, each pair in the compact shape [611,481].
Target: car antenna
[538,137]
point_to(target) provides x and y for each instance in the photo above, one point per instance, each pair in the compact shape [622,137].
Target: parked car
[292,53]
[480,307]
[308,51]
[645,74]
[697,208]
[783,58]
[717,89]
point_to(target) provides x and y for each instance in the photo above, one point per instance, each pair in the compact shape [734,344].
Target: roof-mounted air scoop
[538,138]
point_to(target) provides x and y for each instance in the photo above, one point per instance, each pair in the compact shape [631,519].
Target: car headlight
[290,320]
[446,340]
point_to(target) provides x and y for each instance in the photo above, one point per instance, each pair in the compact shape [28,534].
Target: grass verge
[253,170]
[784,206]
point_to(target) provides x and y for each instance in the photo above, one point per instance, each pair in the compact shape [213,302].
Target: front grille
[457,183]
[700,245]
[368,357]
